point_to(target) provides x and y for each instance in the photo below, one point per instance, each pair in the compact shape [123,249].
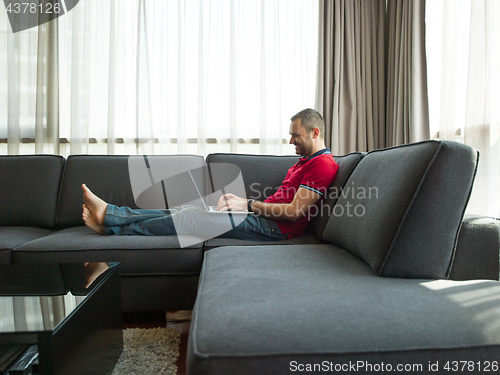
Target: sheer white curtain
[177,76]
[463,52]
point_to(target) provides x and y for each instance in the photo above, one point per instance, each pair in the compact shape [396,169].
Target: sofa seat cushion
[217,242]
[11,237]
[261,308]
[138,254]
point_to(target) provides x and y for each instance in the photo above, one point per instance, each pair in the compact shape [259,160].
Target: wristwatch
[250,202]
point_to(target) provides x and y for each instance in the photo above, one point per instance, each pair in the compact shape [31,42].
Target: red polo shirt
[315,173]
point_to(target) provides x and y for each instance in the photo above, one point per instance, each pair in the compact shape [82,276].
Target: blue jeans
[189,220]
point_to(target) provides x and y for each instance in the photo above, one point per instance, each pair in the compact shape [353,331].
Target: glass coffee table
[60,318]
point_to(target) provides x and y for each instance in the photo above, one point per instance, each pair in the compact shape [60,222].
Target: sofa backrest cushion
[262,174]
[321,215]
[405,208]
[29,188]
[109,178]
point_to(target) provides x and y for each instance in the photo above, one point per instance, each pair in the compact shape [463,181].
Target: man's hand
[304,199]
[231,202]
[293,211]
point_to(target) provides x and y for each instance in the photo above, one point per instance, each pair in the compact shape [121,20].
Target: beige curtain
[371,84]
[407,105]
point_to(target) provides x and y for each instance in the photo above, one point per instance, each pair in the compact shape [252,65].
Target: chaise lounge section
[376,296]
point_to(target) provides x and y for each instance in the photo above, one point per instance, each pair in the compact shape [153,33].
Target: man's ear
[315,133]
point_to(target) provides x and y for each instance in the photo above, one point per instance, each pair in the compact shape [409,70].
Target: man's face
[301,139]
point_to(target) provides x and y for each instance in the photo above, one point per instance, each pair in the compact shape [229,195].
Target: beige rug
[149,351]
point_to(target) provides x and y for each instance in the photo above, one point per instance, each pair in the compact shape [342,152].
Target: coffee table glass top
[38,297]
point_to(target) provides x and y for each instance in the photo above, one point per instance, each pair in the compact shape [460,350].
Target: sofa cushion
[29,189]
[11,237]
[320,217]
[476,255]
[138,254]
[217,242]
[262,174]
[262,310]
[405,207]
[109,178]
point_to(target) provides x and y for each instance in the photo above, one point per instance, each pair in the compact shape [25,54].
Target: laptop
[213,209]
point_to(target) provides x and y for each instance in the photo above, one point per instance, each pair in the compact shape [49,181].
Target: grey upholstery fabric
[138,254]
[218,242]
[108,177]
[260,308]
[406,204]
[29,189]
[159,292]
[5,256]
[477,252]
[346,164]
[262,175]
[11,237]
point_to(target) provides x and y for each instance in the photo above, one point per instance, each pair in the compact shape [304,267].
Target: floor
[177,320]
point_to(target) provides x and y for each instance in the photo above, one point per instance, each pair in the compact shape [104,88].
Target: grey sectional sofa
[375,279]
[378,295]
[40,217]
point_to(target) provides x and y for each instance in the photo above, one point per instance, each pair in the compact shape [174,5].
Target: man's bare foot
[89,220]
[95,205]
[93,270]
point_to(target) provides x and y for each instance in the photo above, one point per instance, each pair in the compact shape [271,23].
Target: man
[281,216]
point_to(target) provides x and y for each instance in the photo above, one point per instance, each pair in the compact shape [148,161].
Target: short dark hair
[311,119]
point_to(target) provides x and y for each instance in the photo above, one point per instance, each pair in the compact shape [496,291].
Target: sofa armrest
[477,250]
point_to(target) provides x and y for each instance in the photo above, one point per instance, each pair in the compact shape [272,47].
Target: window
[187,76]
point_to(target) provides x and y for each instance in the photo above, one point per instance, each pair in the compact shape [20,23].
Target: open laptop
[213,209]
